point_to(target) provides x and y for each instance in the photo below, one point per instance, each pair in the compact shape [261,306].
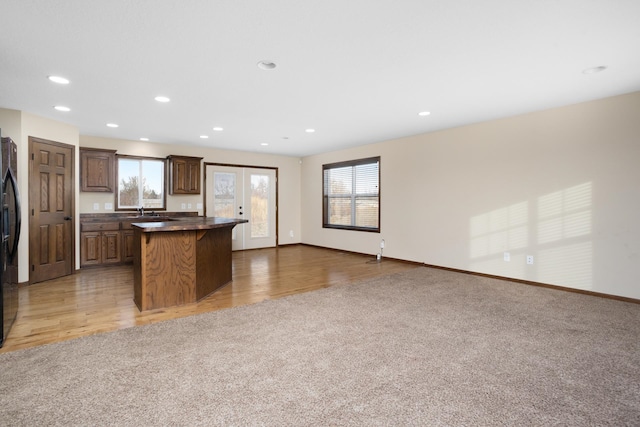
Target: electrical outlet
[291,233]
[189,205]
[96,206]
[198,205]
[183,206]
[108,206]
[382,244]
[529,259]
[507,256]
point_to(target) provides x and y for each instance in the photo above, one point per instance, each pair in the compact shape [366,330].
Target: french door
[248,193]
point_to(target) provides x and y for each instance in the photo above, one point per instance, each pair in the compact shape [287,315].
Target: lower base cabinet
[100,247]
[106,243]
[110,240]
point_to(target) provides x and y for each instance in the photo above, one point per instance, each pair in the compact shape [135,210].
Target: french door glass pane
[224,195]
[259,206]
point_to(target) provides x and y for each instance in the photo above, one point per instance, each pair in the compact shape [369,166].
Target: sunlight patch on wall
[555,229]
[499,230]
[567,265]
[565,254]
[564,214]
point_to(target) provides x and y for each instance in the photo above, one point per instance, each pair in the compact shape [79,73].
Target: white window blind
[352,195]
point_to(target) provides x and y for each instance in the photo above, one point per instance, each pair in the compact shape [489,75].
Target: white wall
[562,185]
[11,124]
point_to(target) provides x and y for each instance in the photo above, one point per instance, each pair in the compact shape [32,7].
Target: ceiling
[356,71]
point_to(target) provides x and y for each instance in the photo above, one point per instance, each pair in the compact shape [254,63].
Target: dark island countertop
[187,224]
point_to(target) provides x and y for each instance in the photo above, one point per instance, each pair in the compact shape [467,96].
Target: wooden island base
[180,262]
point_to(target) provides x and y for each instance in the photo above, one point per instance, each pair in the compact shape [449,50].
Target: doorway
[51,209]
[244,192]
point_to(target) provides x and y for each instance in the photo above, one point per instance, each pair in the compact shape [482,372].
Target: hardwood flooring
[101,299]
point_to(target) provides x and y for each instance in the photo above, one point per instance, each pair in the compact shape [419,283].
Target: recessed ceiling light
[264,144]
[266,65]
[204,136]
[424,113]
[218,129]
[309,130]
[594,70]
[58,79]
[144,139]
[162,99]
[112,125]
[62,108]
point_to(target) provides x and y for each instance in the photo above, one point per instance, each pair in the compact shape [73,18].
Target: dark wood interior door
[51,195]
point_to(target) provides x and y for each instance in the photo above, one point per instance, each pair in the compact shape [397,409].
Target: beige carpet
[425,347]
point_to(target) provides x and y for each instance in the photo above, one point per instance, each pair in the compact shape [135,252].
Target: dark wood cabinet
[103,243]
[97,170]
[90,248]
[184,174]
[111,247]
[100,243]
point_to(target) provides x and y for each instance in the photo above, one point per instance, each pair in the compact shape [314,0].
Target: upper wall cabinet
[97,169]
[184,174]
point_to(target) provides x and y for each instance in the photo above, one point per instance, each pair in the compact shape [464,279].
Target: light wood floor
[101,299]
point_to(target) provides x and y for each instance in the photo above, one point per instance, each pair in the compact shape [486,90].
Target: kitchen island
[181,261]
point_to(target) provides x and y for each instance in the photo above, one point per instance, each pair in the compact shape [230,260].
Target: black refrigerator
[10,232]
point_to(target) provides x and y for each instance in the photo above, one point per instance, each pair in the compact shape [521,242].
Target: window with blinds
[351,196]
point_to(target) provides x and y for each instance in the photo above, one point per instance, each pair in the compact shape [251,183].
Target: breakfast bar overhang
[180,262]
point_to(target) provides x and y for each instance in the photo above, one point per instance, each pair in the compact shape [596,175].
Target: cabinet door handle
[68,218]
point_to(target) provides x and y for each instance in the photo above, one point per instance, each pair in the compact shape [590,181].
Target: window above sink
[141,183]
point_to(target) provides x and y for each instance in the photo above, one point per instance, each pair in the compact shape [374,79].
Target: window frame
[165,182]
[354,195]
